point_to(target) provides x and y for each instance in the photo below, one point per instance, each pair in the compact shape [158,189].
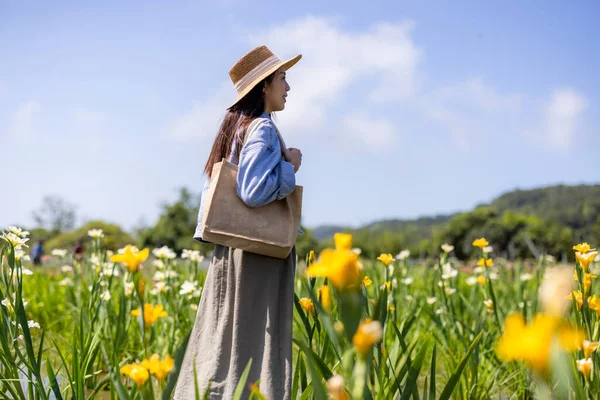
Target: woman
[245,312]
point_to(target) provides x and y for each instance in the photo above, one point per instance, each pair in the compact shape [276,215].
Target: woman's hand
[294,156]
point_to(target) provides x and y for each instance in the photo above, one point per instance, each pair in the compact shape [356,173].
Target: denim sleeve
[263,175]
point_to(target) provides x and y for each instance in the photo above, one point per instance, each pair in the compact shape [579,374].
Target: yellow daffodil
[386,259]
[575,275]
[307,305]
[131,257]
[584,259]
[311,257]
[391,308]
[151,313]
[158,368]
[367,281]
[532,343]
[594,303]
[589,347]
[136,372]
[388,285]
[339,266]
[585,366]
[343,241]
[583,248]
[481,280]
[481,243]
[485,263]
[368,334]
[578,298]
[587,281]
[324,294]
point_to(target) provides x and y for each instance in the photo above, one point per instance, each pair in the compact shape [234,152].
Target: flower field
[114,326]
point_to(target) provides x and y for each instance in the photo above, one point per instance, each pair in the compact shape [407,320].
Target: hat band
[256,72]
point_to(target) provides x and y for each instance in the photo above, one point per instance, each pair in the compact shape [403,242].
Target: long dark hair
[236,120]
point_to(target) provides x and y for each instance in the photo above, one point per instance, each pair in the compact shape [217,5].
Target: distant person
[78,250]
[37,252]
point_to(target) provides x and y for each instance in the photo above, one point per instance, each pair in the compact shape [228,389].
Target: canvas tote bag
[270,230]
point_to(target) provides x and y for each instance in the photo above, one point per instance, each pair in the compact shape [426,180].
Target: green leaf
[325,371]
[316,377]
[239,389]
[455,377]
[415,369]
[432,374]
[53,382]
[174,375]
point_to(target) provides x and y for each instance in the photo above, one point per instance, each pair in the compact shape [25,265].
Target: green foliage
[115,237]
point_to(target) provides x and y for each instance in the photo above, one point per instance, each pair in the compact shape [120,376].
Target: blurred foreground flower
[340,266]
[585,366]
[532,343]
[307,305]
[343,241]
[368,334]
[553,292]
[131,257]
[335,388]
[324,294]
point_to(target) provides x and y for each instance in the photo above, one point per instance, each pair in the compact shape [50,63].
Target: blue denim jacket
[263,174]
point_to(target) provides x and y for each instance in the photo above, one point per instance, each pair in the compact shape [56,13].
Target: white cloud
[22,124]
[375,134]
[562,118]
[470,109]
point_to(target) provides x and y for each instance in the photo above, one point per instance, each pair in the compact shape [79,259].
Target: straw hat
[255,66]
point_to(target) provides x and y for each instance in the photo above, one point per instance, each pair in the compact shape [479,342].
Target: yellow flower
[324,294]
[578,298]
[532,343]
[584,259]
[367,281]
[388,285]
[141,287]
[594,304]
[136,372]
[131,257]
[307,305]
[481,243]
[159,368]
[391,308]
[575,275]
[386,259]
[585,366]
[151,313]
[587,281]
[485,263]
[367,334]
[589,347]
[311,257]
[583,248]
[339,266]
[335,388]
[481,280]
[343,241]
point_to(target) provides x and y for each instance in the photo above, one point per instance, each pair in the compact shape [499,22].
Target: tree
[55,214]
[114,236]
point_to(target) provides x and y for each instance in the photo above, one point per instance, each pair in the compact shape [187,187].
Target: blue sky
[401,109]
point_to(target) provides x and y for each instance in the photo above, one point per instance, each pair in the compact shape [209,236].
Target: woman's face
[276,92]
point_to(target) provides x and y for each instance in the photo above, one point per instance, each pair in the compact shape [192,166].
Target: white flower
[391,269]
[478,270]
[188,287]
[471,280]
[159,287]
[450,291]
[59,252]
[489,304]
[431,300]
[172,274]
[15,240]
[193,255]
[133,248]
[493,276]
[159,276]
[158,264]
[66,268]
[408,297]
[94,260]
[105,296]
[6,303]
[96,233]
[335,387]
[407,281]
[488,249]
[357,250]
[551,259]
[129,287]
[18,231]
[66,282]
[194,307]
[448,272]
[32,324]
[395,283]
[110,271]
[20,339]
[25,271]
[440,311]
[526,277]
[447,248]
[164,253]
[403,255]
[20,255]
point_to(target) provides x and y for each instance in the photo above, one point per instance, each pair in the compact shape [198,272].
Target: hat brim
[286,64]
